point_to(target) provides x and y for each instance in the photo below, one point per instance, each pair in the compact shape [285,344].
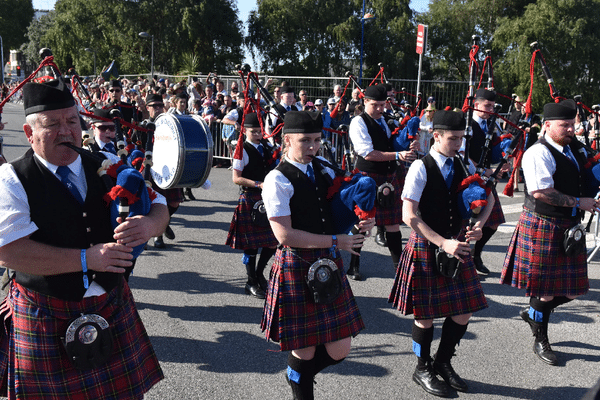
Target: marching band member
[250,229]
[484,101]
[315,321]
[68,261]
[431,209]
[552,270]
[372,142]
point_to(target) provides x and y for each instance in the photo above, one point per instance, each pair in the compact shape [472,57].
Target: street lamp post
[147,35]
[366,17]
[1,62]
[93,51]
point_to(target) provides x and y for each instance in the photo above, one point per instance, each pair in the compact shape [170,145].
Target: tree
[210,30]
[567,33]
[14,23]
[36,32]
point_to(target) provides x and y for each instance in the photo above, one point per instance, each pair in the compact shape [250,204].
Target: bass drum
[183,151]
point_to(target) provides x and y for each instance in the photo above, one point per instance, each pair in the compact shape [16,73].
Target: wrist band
[333,246]
[397,156]
[86,283]
[576,207]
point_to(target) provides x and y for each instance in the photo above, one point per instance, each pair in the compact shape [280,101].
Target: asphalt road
[206,330]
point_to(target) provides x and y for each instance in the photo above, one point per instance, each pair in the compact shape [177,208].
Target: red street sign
[420,39]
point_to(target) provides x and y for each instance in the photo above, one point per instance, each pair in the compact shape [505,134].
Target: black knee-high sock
[559,300]
[394,244]
[323,359]
[451,335]
[487,234]
[265,255]
[300,374]
[249,260]
[172,209]
[422,338]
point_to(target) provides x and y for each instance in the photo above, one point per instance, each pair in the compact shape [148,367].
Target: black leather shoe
[543,350]
[481,269]
[354,275]
[380,239]
[430,383]
[159,243]
[255,290]
[447,373]
[169,233]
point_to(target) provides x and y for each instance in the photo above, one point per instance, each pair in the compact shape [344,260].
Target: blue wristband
[576,207]
[397,156]
[86,283]
[333,246]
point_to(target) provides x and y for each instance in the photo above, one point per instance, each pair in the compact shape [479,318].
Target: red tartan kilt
[419,290]
[243,233]
[537,262]
[392,215]
[496,217]
[32,354]
[292,318]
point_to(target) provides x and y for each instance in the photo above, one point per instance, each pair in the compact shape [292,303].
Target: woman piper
[314,318]
[250,229]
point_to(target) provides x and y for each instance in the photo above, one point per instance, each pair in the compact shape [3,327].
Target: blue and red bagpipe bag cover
[401,142]
[358,191]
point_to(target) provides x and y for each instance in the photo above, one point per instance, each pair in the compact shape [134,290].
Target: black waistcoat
[477,142]
[438,205]
[567,179]
[63,222]
[380,142]
[311,211]
[258,166]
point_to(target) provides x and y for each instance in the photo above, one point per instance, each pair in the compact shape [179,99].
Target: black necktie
[63,172]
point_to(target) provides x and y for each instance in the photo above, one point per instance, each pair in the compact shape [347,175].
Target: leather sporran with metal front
[325,281]
[385,195]
[88,342]
[574,241]
[446,264]
[259,214]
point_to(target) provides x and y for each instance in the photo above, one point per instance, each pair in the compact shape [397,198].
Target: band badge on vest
[88,342]
[385,195]
[574,241]
[325,281]
[259,214]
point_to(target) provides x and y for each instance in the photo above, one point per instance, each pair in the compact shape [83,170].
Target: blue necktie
[110,148]
[63,172]
[261,150]
[288,108]
[484,126]
[450,174]
[310,173]
[381,124]
[567,152]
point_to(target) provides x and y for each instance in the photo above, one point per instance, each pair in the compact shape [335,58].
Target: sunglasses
[103,128]
[114,90]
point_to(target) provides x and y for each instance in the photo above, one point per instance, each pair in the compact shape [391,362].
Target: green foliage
[210,29]
[15,17]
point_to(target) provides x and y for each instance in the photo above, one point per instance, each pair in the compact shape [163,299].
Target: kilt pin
[245,234]
[419,290]
[536,260]
[33,324]
[292,318]
[391,215]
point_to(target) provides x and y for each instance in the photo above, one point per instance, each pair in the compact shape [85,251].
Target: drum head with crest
[183,151]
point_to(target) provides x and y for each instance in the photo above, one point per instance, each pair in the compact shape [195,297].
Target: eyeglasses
[157,105]
[114,90]
[103,128]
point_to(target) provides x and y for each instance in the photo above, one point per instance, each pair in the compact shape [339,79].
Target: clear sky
[244,6]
